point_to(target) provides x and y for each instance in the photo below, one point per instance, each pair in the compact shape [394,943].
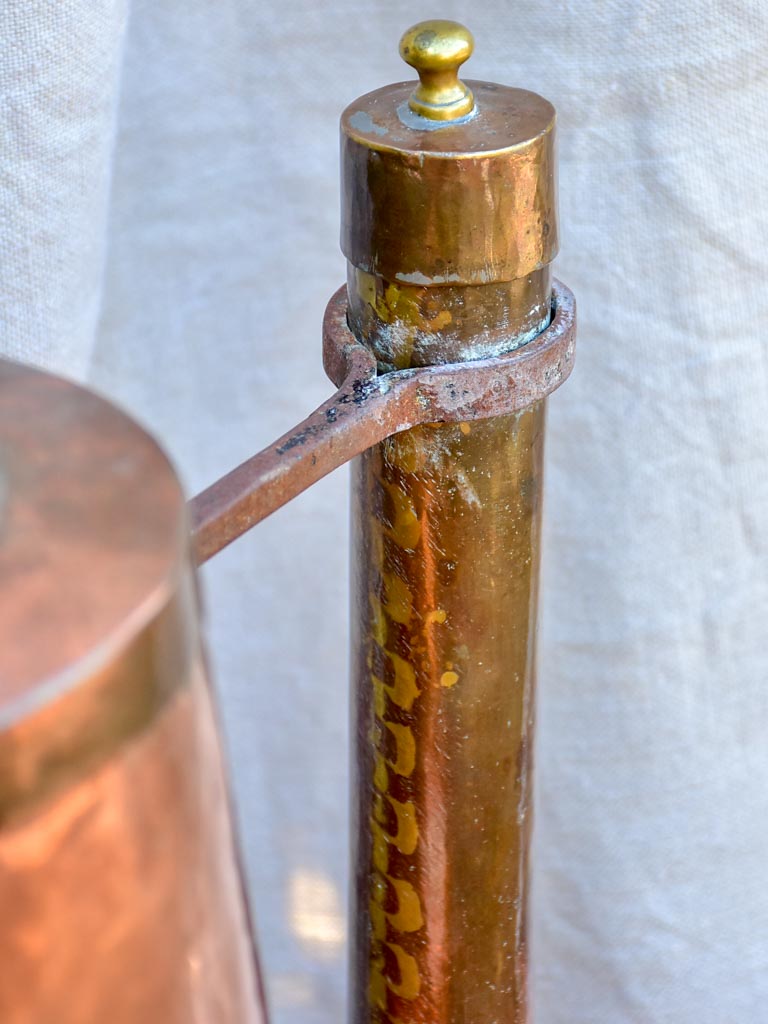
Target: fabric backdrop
[169,200]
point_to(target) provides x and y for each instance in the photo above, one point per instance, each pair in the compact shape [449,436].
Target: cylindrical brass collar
[448,202]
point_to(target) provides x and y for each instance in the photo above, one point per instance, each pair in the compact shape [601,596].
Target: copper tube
[446,525]
[449,233]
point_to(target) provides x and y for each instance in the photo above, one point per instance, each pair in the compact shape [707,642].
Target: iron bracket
[369,407]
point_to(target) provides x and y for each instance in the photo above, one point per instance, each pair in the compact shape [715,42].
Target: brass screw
[437,49]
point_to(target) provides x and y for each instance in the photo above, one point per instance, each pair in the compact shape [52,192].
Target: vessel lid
[97,608]
[448,182]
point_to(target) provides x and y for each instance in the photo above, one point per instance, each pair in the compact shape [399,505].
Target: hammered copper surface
[119,877]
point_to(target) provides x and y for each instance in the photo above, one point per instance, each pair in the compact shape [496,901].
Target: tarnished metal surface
[368,408]
[408,217]
[446,526]
[439,203]
[446,523]
[449,229]
[411,325]
[119,877]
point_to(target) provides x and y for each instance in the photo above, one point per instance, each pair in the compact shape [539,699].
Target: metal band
[452,392]
[92,716]
[368,408]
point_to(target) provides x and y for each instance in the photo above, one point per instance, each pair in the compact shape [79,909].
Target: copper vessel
[120,882]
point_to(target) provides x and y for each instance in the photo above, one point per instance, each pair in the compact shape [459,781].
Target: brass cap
[434,197]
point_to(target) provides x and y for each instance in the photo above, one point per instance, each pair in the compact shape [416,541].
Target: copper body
[446,539]
[449,232]
[120,884]
[119,877]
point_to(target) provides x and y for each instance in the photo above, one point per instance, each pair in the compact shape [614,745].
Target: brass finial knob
[437,49]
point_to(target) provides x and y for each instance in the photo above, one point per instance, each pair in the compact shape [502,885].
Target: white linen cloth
[169,200]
